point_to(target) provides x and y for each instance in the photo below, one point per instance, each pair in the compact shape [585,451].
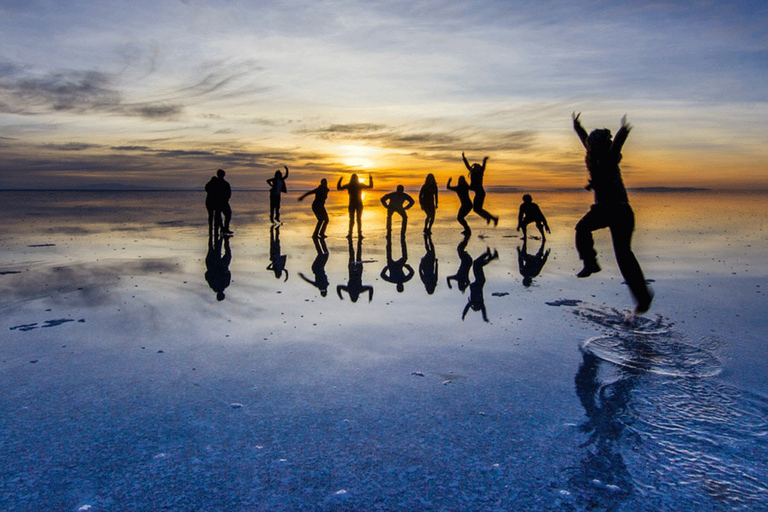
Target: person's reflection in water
[355,286]
[318,268]
[462,274]
[476,300]
[276,258]
[531,265]
[428,265]
[217,272]
[603,476]
[398,271]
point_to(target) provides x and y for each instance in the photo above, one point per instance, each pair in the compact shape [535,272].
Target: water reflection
[276,258]
[531,264]
[318,267]
[462,274]
[397,271]
[476,300]
[217,272]
[428,264]
[355,286]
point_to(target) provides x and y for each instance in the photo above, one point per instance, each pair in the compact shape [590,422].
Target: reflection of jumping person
[462,190]
[318,207]
[276,187]
[476,299]
[217,197]
[428,201]
[355,190]
[476,173]
[318,268]
[397,202]
[530,212]
[611,209]
[531,265]
[465,264]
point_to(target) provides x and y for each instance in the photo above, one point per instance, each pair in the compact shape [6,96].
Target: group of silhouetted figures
[611,209]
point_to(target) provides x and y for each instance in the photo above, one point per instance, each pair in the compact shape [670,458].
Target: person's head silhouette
[400,188]
[527,198]
[220,173]
[220,296]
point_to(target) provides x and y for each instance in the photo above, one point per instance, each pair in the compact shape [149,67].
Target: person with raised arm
[355,190]
[476,174]
[318,207]
[276,188]
[462,190]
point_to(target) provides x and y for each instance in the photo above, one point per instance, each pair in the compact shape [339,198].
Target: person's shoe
[589,269]
[495,221]
[644,305]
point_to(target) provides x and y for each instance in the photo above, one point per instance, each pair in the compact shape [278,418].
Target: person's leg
[540,225]
[389,222]
[622,226]
[404,223]
[227,212]
[524,227]
[351,220]
[463,211]
[360,221]
[594,219]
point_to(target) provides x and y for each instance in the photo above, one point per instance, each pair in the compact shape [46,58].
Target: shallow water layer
[149,367]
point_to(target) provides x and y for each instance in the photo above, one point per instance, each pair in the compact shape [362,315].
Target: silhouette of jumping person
[318,268]
[276,188]
[318,207]
[465,265]
[398,271]
[530,212]
[428,201]
[276,258]
[397,202]
[428,265]
[217,272]
[462,190]
[531,265]
[476,299]
[611,210]
[355,286]
[355,190]
[217,197]
[476,173]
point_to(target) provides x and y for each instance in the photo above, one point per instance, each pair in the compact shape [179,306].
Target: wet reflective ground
[148,367]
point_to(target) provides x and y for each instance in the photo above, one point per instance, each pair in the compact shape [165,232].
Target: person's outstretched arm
[338,185]
[579,129]
[484,162]
[305,194]
[370,181]
[465,161]
[620,137]
[286,172]
[448,186]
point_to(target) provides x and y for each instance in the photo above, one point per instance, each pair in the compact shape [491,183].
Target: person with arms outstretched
[476,174]
[610,210]
[318,207]
[462,190]
[276,188]
[397,202]
[355,190]
[428,201]
[530,212]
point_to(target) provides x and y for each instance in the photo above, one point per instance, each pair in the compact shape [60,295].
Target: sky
[160,94]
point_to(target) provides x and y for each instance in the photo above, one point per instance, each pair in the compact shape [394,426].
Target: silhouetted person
[318,268]
[530,212]
[397,202]
[611,210]
[531,265]
[428,201]
[465,265]
[276,258]
[318,207]
[355,286]
[276,188]
[398,271]
[355,190]
[428,265]
[217,272]
[217,197]
[476,174]
[462,190]
[476,299]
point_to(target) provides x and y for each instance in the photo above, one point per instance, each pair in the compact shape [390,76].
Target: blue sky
[160,94]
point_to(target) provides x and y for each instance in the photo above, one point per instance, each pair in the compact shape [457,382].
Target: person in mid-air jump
[476,174]
[611,209]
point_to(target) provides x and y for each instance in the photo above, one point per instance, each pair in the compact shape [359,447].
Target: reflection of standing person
[217,197]
[318,268]
[428,201]
[318,207]
[397,202]
[217,272]
[355,190]
[355,286]
[462,190]
[276,187]
[398,271]
[476,174]
[530,212]
[465,264]
[276,258]
[611,209]
[428,265]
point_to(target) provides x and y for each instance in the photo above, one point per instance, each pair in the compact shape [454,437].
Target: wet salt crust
[129,386]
